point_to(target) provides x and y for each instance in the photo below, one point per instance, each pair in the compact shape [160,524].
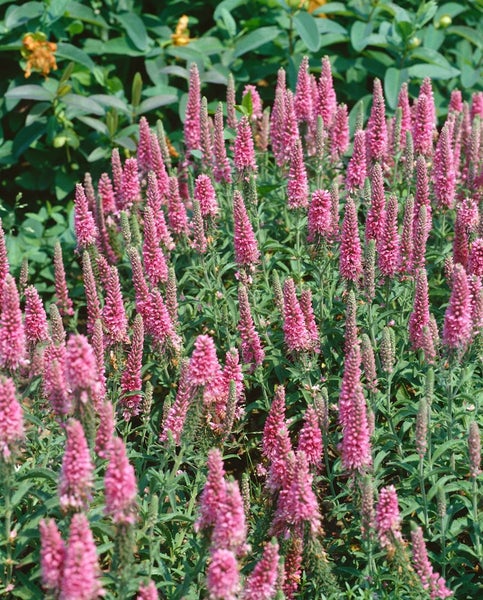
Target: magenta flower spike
[252,350]
[376,130]
[232,371]
[290,129]
[159,169]
[230,530]
[277,119]
[114,316]
[154,202]
[63,300]
[339,133]
[419,318]
[407,237]
[319,220]
[403,104]
[80,575]
[231,103]
[350,262]
[423,125]
[246,248]
[4,266]
[221,164]
[388,519]
[475,286]
[297,337]
[198,237]
[192,124]
[431,580]
[143,155]
[457,318]
[327,101]
[154,260]
[427,89]
[260,584]
[204,192]
[275,422]
[52,554]
[204,365]
[444,176]
[84,224]
[92,298]
[161,326]
[310,323]
[476,105]
[105,430]
[177,217]
[388,245]
[356,170]
[375,215]
[351,382]
[131,190]
[12,332]
[475,260]
[303,93]
[176,416]
[310,438]
[54,382]
[460,240]
[36,329]
[244,152]
[120,485]
[116,167]
[11,418]
[356,445]
[257,105]
[76,477]
[350,325]
[420,239]
[213,495]
[131,380]
[147,591]
[223,578]
[106,194]
[297,187]
[139,283]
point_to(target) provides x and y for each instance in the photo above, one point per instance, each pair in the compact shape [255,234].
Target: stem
[423,493]
[7,471]
[475,521]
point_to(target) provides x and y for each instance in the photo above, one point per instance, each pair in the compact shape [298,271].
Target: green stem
[423,493]
[476,522]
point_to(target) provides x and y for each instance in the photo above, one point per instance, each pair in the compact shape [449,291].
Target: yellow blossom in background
[181,36]
[39,54]
[171,149]
[314,4]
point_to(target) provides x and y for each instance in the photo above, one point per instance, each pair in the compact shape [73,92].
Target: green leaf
[430,56]
[469,76]
[135,30]
[452,9]
[111,102]
[70,52]
[425,13]
[325,26]
[226,5]
[82,104]
[433,71]
[155,102]
[76,10]
[28,135]
[472,35]
[228,21]
[19,15]
[30,92]
[255,39]
[360,33]
[392,84]
[307,29]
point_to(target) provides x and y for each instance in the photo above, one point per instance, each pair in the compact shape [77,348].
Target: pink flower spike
[244,152]
[204,364]
[131,190]
[297,337]
[147,592]
[339,133]
[257,108]
[246,248]
[177,217]
[374,220]
[116,167]
[223,579]
[92,297]
[81,368]
[277,119]
[260,584]
[12,332]
[213,494]
[423,126]
[63,300]
[192,125]
[205,194]
[431,581]
[275,422]
[11,418]
[52,553]
[106,194]
[310,438]
[403,104]
[120,485]
[297,187]
[388,519]
[84,224]
[303,93]
[356,169]
[36,329]
[144,159]
[327,101]
[4,266]
[114,316]
[444,176]
[80,574]
[76,478]
[159,169]
[160,325]
[310,324]
[319,220]
[376,133]
[457,319]
[475,260]
[290,133]
[350,265]
[176,416]
[154,260]
[252,351]
[222,169]
[388,245]
[131,380]
[105,430]
[230,103]
[230,528]
[419,318]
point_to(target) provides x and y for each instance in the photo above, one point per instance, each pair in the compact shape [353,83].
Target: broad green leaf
[112,102]
[430,56]
[255,39]
[332,38]
[19,15]
[228,21]
[332,8]
[155,102]
[98,154]
[470,76]
[70,52]
[307,29]
[76,10]
[392,84]
[452,9]
[226,5]
[360,33]
[135,30]
[30,92]
[433,71]
[56,9]
[96,124]
[426,12]
[472,35]
[325,26]
[433,38]
[83,104]
[118,45]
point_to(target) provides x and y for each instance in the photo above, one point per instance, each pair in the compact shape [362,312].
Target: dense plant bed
[261,375]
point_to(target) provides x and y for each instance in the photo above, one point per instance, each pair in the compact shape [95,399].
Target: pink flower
[257,107]
[12,332]
[141,289]
[407,237]
[63,301]
[423,126]
[230,103]
[244,152]
[474,449]
[444,176]
[327,101]
[80,574]
[277,119]
[205,194]
[374,221]
[475,261]
[260,584]
[420,238]
[252,351]
[388,245]
[455,101]
[75,486]
[192,126]
[376,133]
[339,133]
[223,579]
[350,262]
[177,217]
[105,430]
[319,216]
[403,104]
[419,318]
[159,169]
[310,438]
[246,248]
[176,416]
[199,242]
[11,418]
[350,326]
[36,329]
[388,519]
[290,133]
[92,297]
[120,485]
[297,338]
[229,528]
[106,194]
[155,201]
[457,319]
[213,494]
[54,382]
[303,93]
[432,581]
[131,381]
[84,224]
[144,159]
[310,324]
[297,187]
[204,364]
[113,313]
[147,592]
[356,445]
[4,266]
[222,169]
[356,169]
[274,423]
[153,257]
[52,553]
[81,368]
[160,325]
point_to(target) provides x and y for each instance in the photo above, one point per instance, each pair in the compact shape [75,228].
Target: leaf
[70,52]
[19,15]
[135,30]
[155,102]
[472,35]
[425,13]
[360,33]
[96,124]
[30,92]
[76,10]
[393,80]
[325,26]
[28,135]
[433,71]
[228,21]
[307,29]
[254,40]
[452,9]
[226,5]
[83,104]
[111,102]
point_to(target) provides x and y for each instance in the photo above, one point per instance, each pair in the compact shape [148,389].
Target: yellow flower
[181,36]
[39,54]
[314,4]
